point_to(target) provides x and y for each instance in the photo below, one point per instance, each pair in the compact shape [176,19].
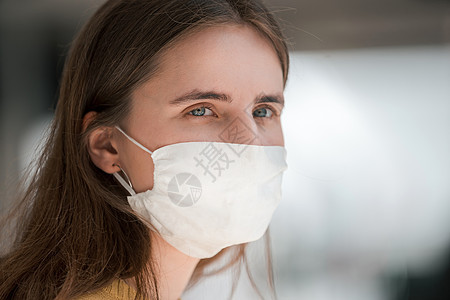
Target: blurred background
[366,207]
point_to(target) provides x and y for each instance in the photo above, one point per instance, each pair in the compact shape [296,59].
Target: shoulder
[118,290]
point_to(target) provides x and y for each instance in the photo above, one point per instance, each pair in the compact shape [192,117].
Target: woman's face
[221,84]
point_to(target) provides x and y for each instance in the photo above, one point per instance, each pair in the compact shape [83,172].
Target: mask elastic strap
[125,184]
[134,141]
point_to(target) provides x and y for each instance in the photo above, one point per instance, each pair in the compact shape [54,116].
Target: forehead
[227,58]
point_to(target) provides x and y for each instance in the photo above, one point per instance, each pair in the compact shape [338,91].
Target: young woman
[166,153]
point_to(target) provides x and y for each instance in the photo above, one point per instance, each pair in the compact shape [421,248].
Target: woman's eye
[201,111]
[263,112]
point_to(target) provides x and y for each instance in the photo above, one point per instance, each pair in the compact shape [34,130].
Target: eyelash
[274,112]
[201,106]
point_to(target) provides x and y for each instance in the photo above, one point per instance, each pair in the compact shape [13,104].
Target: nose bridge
[241,129]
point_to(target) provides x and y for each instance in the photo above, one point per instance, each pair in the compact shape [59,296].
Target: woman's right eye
[201,111]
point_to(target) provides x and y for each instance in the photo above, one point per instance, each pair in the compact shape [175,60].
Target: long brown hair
[76,232]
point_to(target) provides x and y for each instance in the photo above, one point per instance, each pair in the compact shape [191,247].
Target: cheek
[273,136]
[191,129]
[139,167]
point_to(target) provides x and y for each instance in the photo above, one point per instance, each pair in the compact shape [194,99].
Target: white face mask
[210,195]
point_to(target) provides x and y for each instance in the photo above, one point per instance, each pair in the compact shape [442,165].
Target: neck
[174,268]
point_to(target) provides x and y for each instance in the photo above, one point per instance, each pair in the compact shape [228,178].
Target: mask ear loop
[134,141]
[127,185]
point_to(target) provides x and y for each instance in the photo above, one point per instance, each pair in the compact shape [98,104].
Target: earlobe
[100,146]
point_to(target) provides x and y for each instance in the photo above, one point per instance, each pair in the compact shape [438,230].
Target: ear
[101,147]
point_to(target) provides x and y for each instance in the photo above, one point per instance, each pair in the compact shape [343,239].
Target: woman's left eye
[201,111]
[263,112]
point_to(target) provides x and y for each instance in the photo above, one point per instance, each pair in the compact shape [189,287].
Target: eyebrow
[212,95]
[198,95]
[270,98]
